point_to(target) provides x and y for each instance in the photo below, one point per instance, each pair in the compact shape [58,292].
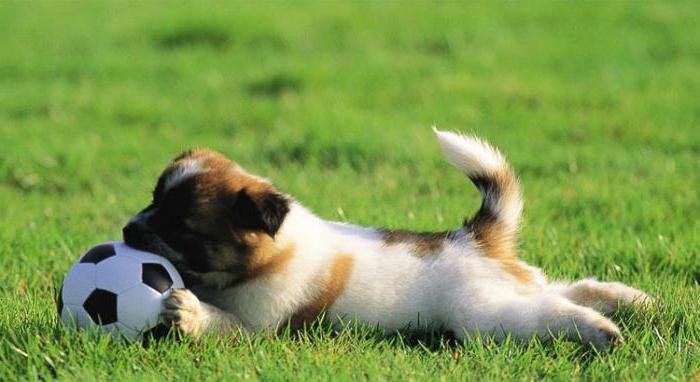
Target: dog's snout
[135,234]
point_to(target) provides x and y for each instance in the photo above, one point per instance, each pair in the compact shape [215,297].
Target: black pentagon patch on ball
[154,334]
[101,305]
[156,276]
[59,301]
[99,253]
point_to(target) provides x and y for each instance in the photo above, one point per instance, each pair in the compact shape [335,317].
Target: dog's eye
[188,237]
[192,233]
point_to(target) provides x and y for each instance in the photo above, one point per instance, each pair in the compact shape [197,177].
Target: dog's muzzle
[138,235]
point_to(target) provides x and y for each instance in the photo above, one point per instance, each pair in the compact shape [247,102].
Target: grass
[595,104]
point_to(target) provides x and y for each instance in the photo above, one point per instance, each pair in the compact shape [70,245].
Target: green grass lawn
[597,106]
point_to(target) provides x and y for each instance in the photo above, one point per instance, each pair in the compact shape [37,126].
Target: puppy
[255,259]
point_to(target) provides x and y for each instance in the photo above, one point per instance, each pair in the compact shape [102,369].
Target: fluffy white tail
[495,225]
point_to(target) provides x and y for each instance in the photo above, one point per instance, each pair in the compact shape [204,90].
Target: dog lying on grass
[255,259]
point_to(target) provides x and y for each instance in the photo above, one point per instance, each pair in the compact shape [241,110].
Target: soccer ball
[117,289]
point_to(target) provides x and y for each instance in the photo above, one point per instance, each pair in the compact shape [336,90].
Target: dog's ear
[261,212]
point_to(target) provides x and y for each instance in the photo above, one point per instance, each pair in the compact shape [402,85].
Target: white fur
[184,171]
[475,157]
[458,289]
[470,154]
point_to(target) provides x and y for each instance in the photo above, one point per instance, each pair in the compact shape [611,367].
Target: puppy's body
[259,260]
[352,273]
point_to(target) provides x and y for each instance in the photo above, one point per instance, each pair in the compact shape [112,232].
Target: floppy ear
[263,212]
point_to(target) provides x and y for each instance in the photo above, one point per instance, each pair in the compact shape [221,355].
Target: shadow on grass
[275,85]
[193,35]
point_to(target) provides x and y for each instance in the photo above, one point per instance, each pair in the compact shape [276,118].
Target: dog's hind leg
[543,316]
[606,297]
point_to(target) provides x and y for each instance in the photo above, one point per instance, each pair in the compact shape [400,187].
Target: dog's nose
[135,234]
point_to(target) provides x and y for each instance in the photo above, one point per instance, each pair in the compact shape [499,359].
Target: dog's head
[208,215]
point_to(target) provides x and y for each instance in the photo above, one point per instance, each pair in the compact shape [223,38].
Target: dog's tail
[495,225]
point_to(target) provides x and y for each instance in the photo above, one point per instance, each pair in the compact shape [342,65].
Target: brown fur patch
[500,245]
[264,258]
[422,243]
[493,236]
[521,273]
[220,172]
[332,286]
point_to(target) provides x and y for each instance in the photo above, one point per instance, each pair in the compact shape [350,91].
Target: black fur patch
[170,208]
[264,212]
[490,192]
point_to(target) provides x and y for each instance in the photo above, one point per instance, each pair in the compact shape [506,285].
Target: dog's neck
[317,239]
[301,224]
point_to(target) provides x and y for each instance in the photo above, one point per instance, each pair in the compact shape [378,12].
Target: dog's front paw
[184,312]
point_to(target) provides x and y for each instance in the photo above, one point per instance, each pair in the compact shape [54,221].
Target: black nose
[135,235]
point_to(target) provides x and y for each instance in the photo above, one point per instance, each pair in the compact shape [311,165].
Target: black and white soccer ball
[117,289]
